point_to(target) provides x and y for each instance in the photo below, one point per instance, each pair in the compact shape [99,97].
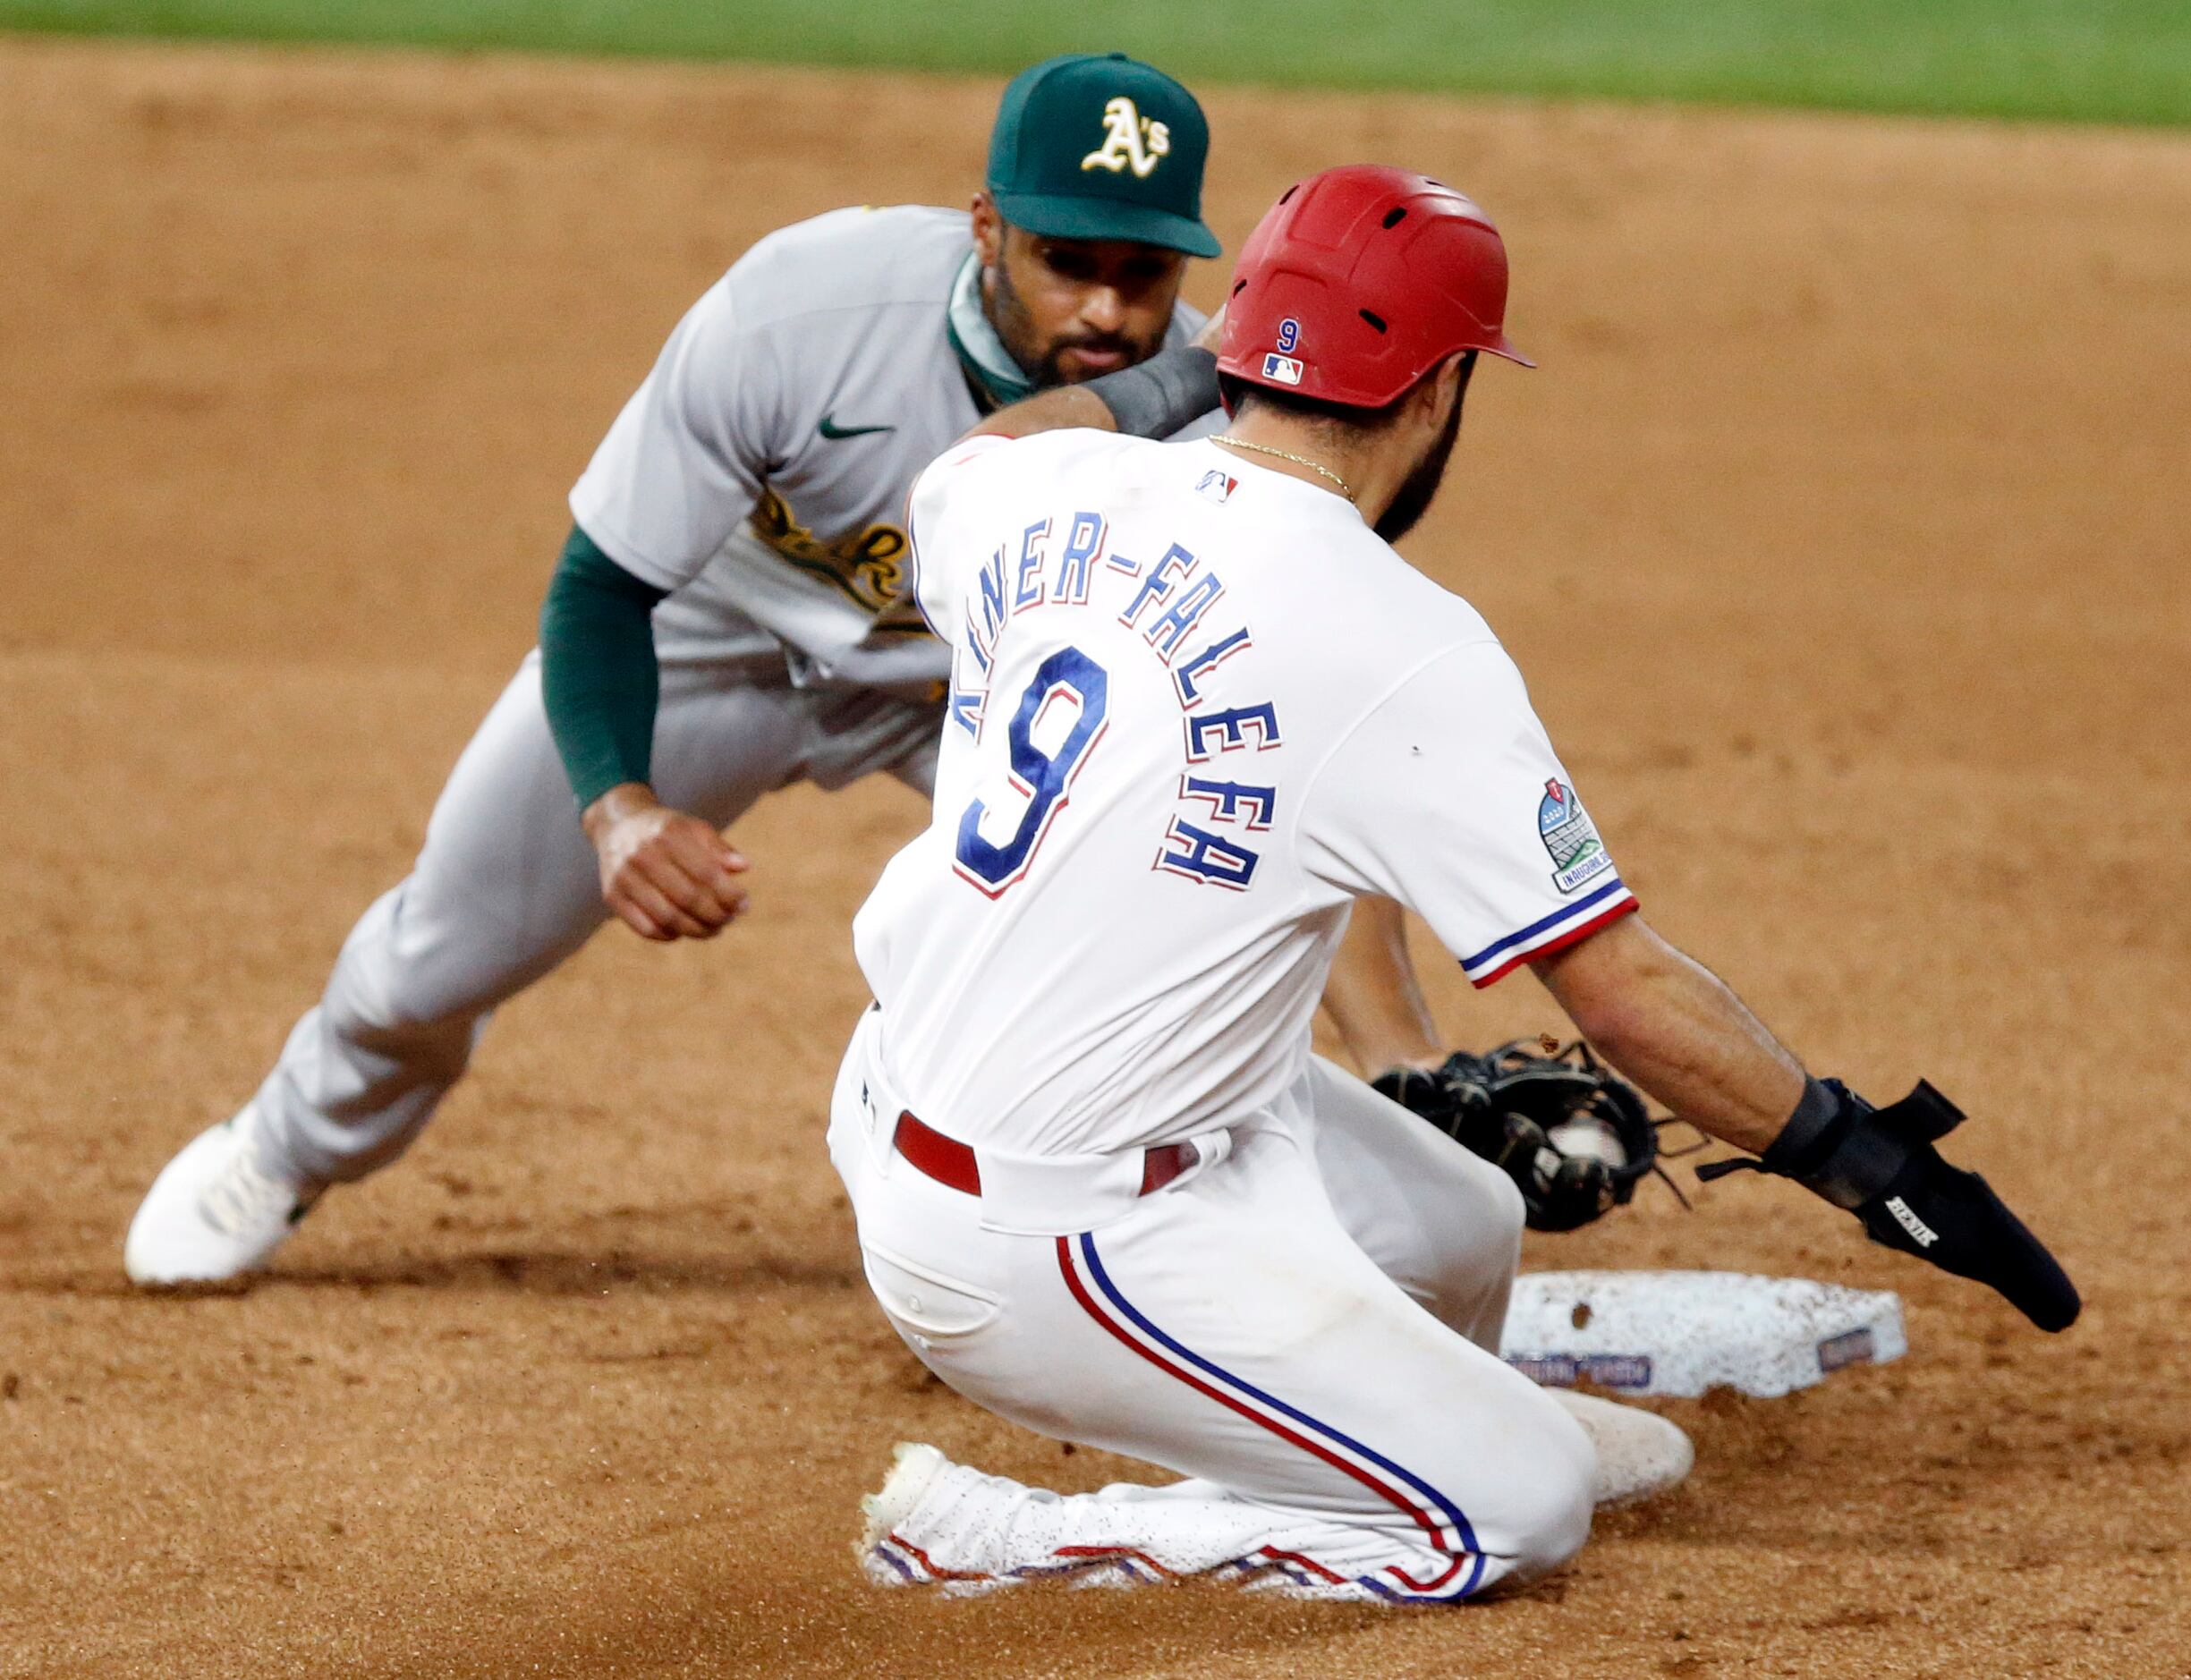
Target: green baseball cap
[1100,145]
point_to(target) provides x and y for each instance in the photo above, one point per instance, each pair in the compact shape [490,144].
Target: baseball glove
[1572,1134]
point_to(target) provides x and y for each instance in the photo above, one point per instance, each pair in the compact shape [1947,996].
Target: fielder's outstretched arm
[666,873]
[1675,1028]
[1155,398]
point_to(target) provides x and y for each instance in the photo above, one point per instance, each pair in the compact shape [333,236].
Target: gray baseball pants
[507,887]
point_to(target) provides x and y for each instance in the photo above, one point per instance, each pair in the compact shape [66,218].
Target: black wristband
[1836,1145]
[1155,398]
[1812,1131]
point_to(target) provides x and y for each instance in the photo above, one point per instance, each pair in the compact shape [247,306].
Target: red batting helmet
[1359,281]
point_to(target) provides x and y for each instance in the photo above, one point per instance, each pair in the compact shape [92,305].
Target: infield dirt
[1842,536]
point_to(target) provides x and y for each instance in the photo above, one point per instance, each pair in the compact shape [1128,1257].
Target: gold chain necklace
[1345,490]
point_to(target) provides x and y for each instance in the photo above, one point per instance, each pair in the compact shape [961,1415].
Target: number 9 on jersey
[1067,677]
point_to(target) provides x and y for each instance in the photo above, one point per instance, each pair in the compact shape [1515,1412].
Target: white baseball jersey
[761,472]
[1196,708]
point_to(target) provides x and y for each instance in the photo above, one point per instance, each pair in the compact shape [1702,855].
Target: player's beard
[1043,364]
[1421,488]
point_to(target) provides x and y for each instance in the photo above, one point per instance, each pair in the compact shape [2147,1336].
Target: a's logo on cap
[1281,369]
[1130,140]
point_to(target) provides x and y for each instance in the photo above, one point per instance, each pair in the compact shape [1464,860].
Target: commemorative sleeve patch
[1577,854]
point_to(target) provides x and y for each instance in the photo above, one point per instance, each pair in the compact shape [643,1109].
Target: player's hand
[1879,1165]
[666,873]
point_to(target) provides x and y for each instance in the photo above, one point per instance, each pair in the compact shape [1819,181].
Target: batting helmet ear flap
[1359,281]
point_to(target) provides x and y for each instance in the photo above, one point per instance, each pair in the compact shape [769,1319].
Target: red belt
[948,1161]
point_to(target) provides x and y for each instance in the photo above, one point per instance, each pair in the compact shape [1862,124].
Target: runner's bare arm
[1675,1028]
[1373,996]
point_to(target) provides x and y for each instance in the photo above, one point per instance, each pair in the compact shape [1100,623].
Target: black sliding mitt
[1879,1165]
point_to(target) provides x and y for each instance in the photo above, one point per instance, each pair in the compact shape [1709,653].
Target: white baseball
[1588,1136]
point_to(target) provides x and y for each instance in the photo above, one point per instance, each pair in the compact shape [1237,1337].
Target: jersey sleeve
[685,461]
[1447,797]
[937,587]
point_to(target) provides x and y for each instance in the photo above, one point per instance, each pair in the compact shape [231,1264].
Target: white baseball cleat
[1640,1454]
[886,1563]
[216,1211]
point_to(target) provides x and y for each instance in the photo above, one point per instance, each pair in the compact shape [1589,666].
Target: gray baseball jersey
[761,472]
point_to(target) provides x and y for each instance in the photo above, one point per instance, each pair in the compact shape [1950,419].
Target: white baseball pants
[1307,1327]
[507,887]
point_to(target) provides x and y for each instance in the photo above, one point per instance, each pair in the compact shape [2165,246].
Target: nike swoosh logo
[830,429]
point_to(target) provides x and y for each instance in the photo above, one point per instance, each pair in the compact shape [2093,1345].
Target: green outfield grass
[2127,61]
